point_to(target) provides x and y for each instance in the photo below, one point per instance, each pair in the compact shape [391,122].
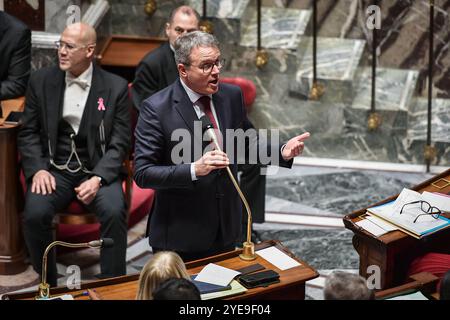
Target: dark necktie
[205,102]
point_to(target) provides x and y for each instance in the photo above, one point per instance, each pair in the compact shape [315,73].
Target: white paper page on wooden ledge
[371,227]
[278,258]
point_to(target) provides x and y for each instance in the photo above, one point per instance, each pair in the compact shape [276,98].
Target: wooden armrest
[423,281]
[17,104]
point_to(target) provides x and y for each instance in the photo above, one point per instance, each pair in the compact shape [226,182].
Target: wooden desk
[393,252]
[291,286]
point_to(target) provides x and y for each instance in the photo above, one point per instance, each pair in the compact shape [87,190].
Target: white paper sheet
[278,258]
[382,224]
[371,227]
[216,274]
[441,201]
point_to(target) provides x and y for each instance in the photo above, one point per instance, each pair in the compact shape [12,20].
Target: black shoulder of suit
[159,53]
[8,21]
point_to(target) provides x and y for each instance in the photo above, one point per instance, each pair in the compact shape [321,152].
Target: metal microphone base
[44,291]
[248,252]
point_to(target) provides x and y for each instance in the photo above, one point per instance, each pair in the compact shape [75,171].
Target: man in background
[15,57]
[158,69]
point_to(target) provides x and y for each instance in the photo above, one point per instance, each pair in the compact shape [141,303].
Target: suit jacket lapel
[184,106]
[92,116]
[54,104]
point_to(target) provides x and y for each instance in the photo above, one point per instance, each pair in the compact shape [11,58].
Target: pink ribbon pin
[101,106]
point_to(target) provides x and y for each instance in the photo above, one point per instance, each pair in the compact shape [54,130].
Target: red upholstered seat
[435,263]
[248,89]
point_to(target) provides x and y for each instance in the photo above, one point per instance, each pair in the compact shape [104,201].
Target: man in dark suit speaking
[15,56]
[74,139]
[197,211]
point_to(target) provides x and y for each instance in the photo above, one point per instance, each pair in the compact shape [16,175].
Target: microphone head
[102,243]
[206,124]
[107,242]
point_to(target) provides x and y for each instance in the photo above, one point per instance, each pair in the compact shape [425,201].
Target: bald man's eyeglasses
[70,47]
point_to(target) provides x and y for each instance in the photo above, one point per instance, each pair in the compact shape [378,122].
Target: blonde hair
[163,265]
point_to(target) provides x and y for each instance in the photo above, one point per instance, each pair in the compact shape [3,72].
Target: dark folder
[205,287]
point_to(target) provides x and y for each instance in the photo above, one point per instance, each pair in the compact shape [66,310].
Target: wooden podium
[393,252]
[12,249]
[121,54]
[291,285]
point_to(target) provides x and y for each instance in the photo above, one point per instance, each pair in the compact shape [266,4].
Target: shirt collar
[86,76]
[193,96]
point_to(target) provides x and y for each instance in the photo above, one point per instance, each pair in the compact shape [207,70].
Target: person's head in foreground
[176,289]
[346,286]
[163,265]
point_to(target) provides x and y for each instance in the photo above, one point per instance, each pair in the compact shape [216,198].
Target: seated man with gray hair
[346,286]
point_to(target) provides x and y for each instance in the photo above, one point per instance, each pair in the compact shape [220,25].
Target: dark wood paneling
[12,250]
[35,19]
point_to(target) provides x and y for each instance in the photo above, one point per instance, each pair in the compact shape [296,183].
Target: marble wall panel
[440,121]
[55,14]
[280,28]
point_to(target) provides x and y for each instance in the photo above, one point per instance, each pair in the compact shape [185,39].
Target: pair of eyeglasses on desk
[435,212]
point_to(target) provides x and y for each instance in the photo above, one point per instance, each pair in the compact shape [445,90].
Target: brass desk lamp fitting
[317,90]
[150,7]
[262,58]
[206,26]
[374,121]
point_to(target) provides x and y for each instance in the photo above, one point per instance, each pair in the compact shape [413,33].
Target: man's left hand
[294,146]
[87,191]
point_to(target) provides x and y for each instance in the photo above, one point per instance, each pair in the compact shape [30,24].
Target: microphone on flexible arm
[248,252]
[44,287]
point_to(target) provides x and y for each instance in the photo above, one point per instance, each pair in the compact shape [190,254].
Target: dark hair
[177,289]
[444,293]
[184,44]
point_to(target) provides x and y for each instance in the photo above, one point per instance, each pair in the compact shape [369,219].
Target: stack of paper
[376,226]
[215,281]
[278,258]
[424,225]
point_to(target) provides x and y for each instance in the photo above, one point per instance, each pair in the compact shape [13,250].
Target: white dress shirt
[194,96]
[75,97]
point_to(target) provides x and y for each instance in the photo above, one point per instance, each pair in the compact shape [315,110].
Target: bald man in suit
[74,139]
